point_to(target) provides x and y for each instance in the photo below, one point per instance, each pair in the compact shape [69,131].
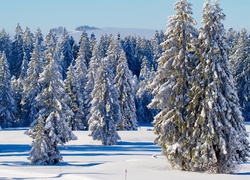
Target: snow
[135,157]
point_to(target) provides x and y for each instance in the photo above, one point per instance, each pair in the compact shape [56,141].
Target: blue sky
[150,14]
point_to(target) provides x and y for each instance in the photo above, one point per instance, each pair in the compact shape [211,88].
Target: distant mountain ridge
[147,33]
[86,28]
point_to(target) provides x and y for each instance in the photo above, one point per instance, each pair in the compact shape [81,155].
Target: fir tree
[105,110]
[124,86]
[216,137]
[172,85]
[91,76]
[240,61]
[75,122]
[17,52]
[5,44]
[65,52]
[144,94]
[30,86]
[84,48]
[28,42]
[50,128]
[7,102]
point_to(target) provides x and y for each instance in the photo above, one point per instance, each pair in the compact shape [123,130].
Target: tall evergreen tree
[240,62]
[50,128]
[105,110]
[71,86]
[216,137]
[7,102]
[30,86]
[144,93]
[17,52]
[124,86]
[94,64]
[84,48]
[172,85]
[5,44]
[65,52]
[28,42]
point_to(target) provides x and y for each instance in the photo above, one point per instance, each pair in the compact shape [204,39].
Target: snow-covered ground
[134,158]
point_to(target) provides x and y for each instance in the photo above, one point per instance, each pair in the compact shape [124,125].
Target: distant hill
[147,33]
[86,28]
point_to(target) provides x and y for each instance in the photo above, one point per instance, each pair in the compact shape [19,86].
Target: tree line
[192,84]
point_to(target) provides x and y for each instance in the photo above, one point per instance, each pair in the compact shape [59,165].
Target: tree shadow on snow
[243,174]
[122,149]
[14,150]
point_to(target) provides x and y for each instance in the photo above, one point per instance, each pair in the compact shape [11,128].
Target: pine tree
[75,86]
[144,93]
[7,102]
[28,43]
[113,53]
[129,46]
[50,128]
[216,137]
[17,52]
[65,52]
[91,76]
[105,110]
[124,86]
[84,48]
[75,122]
[172,85]
[240,62]
[5,44]
[156,48]
[30,86]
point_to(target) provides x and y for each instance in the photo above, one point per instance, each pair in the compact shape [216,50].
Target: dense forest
[184,81]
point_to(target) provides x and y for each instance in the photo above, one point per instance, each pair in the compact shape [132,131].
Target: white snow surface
[135,157]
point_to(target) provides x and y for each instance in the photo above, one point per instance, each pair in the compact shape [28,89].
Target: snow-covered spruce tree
[129,45]
[28,43]
[144,94]
[65,52]
[16,52]
[84,48]
[124,86]
[50,128]
[71,86]
[172,85]
[216,137]
[240,62]
[7,102]
[105,110]
[114,53]
[91,76]
[30,86]
[75,86]
[156,47]
[5,44]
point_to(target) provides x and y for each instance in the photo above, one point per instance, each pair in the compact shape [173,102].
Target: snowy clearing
[134,158]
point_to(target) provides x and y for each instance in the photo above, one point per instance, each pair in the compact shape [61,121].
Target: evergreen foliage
[217,136]
[17,52]
[30,86]
[105,110]
[240,61]
[172,85]
[124,86]
[50,128]
[7,102]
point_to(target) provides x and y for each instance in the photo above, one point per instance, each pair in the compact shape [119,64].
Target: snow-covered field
[134,158]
